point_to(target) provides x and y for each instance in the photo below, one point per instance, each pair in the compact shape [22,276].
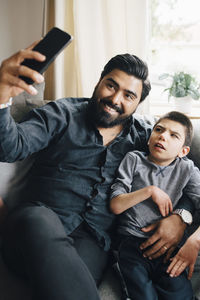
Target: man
[59,238]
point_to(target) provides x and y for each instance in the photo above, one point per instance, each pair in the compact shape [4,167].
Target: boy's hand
[162,200]
[186,257]
[10,83]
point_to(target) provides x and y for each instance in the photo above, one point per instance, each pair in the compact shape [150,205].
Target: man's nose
[116,98]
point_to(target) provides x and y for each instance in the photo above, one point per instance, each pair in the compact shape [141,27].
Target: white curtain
[101,29]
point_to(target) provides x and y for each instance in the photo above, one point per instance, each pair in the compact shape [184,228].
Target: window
[174,45]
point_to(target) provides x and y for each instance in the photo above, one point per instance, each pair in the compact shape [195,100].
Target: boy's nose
[163,136]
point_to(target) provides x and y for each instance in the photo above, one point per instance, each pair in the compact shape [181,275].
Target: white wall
[21,23]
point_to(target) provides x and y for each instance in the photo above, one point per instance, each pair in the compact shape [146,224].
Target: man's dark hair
[131,65]
[182,119]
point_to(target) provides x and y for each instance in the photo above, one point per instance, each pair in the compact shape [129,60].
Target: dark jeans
[147,279]
[59,267]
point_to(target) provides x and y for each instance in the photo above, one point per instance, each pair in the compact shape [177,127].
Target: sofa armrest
[3,212]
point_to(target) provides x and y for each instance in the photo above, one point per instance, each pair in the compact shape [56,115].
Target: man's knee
[34,223]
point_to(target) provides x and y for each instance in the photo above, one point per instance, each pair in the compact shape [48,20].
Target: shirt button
[94,193]
[89,206]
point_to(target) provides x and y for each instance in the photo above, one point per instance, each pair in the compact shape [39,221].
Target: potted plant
[183,88]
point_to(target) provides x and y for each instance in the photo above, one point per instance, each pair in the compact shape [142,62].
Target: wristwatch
[185,215]
[7,104]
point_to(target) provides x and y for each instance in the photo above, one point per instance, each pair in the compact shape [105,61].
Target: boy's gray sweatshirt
[136,172]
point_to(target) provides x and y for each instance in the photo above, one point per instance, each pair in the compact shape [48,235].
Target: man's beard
[102,118]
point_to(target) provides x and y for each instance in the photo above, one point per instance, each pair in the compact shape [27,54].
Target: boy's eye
[157,129]
[174,135]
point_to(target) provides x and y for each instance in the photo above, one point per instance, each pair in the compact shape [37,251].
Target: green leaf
[188,80]
[194,94]
[182,85]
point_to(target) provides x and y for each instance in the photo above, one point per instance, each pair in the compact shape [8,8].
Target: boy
[162,175]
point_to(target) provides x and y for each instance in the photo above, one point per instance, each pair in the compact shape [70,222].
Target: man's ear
[184,151]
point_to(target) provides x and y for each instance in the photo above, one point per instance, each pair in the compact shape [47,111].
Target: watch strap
[7,104]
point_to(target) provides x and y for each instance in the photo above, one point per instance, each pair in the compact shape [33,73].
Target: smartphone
[51,45]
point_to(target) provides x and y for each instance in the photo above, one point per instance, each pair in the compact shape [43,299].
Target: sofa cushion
[24,102]
[195,147]
[12,181]
[14,174]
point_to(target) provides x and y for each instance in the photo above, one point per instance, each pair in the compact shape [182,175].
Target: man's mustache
[113,106]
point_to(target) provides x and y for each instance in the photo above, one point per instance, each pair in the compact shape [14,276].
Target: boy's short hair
[183,120]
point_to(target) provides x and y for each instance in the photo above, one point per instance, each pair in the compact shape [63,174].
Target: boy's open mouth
[159,145]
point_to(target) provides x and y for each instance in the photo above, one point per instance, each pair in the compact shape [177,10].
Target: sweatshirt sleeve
[123,182]
[17,141]
[192,189]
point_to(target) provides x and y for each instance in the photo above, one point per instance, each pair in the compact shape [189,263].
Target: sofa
[13,176]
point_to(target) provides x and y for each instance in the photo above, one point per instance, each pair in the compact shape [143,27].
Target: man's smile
[110,107]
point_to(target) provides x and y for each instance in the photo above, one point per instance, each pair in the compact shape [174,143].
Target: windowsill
[158,109]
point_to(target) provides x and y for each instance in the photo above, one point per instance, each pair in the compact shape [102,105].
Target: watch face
[187,217]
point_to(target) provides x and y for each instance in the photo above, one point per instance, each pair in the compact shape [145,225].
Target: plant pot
[183,104]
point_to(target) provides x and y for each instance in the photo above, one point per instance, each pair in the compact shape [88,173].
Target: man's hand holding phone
[18,72]
[50,46]
[11,84]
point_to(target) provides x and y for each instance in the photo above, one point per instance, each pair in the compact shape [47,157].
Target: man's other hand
[168,232]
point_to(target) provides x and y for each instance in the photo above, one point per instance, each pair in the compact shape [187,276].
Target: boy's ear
[185,150]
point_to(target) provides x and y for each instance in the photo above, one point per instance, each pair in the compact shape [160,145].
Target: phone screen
[51,45]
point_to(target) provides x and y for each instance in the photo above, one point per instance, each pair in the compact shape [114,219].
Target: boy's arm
[190,201]
[122,202]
